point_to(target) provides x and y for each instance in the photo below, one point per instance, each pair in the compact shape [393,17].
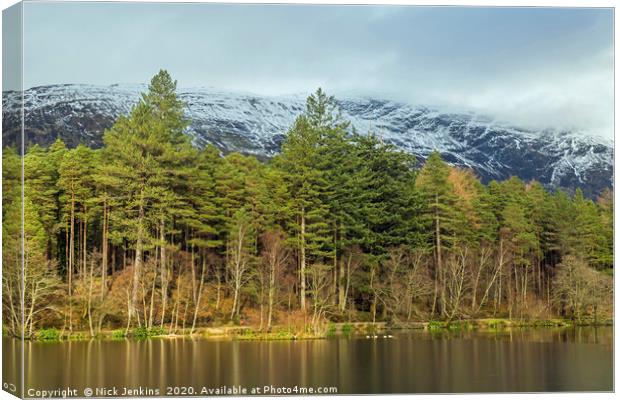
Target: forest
[150,232]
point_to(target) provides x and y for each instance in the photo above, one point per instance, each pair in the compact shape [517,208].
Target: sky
[534,67]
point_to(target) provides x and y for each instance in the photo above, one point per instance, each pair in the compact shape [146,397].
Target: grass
[552,323]
[145,333]
[436,325]
[371,329]
[48,335]
[330,330]
[494,324]
[279,334]
[119,334]
[78,336]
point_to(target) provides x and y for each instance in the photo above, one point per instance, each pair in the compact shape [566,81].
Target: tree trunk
[373,305]
[341,286]
[193,265]
[163,271]
[152,301]
[335,282]
[219,287]
[137,269]
[84,232]
[104,250]
[90,296]
[272,289]
[71,260]
[302,263]
[439,298]
[348,282]
[235,301]
[197,305]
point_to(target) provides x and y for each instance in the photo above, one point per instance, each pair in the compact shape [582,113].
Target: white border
[482,3]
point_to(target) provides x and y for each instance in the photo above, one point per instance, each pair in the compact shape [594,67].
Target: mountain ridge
[256,124]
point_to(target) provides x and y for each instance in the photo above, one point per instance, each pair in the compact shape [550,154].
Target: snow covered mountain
[254,124]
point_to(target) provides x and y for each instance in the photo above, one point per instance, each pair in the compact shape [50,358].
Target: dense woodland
[151,232]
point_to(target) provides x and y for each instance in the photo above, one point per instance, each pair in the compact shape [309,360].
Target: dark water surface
[532,360]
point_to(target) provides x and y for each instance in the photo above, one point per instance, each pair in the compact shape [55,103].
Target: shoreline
[331,330]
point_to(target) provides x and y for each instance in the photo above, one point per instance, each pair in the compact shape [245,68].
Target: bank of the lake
[283,332]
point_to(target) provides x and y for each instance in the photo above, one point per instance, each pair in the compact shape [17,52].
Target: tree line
[150,231]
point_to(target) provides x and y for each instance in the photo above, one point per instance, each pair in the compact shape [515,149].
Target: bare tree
[578,287]
[407,279]
[455,274]
[353,259]
[485,274]
[275,256]
[240,259]
[319,288]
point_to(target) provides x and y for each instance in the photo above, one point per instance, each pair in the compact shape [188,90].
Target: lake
[528,360]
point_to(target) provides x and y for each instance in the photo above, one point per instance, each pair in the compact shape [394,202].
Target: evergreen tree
[605,203]
[441,215]
[308,188]
[591,242]
[146,156]
[41,176]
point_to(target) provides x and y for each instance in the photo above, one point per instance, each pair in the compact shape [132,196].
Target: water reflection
[415,362]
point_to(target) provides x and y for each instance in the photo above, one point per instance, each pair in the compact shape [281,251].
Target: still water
[532,360]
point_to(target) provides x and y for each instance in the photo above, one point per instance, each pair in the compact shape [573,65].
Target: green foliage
[119,334]
[48,335]
[78,336]
[436,325]
[142,332]
[156,331]
[331,330]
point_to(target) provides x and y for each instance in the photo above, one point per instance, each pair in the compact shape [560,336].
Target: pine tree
[41,176]
[145,161]
[605,203]
[75,183]
[441,215]
[308,188]
[591,242]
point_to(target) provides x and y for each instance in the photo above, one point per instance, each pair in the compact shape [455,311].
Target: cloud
[531,66]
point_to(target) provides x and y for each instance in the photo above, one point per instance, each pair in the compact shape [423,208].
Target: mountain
[257,125]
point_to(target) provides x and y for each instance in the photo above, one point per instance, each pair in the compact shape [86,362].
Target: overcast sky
[532,66]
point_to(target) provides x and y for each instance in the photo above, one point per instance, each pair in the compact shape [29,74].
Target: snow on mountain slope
[257,125]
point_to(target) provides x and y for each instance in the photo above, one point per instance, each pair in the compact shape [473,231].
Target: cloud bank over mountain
[541,67]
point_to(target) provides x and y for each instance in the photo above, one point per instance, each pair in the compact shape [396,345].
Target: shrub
[436,325]
[118,334]
[331,330]
[140,333]
[371,329]
[77,336]
[47,335]
[144,333]
[157,331]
